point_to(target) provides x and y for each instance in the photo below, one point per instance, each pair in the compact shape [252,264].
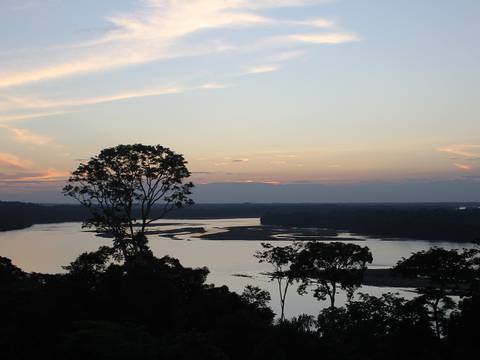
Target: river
[48,247]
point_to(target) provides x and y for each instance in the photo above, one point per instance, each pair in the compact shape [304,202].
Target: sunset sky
[270,93]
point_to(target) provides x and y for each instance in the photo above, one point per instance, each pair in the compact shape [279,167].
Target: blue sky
[276,92]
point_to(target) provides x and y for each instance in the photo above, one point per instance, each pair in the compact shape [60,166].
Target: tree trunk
[332,296]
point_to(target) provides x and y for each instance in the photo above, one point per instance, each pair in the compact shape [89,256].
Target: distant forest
[457,222]
[18,215]
[446,222]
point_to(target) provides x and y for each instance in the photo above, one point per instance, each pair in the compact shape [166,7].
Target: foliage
[377,327]
[450,272]
[330,267]
[410,221]
[159,309]
[281,258]
[256,296]
[121,186]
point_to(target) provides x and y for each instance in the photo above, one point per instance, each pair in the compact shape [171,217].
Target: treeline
[18,215]
[421,222]
[418,221]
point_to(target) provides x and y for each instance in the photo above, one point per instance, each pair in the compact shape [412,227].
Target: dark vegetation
[122,302]
[422,222]
[17,215]
[154,308]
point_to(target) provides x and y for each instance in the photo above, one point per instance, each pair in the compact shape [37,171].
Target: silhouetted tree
[121,186]
[376,327]
[330,266]
[256,296]
[451,272]
[9,273]
[281,259]
[462,329]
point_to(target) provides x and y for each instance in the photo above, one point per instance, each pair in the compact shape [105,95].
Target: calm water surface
[46,248]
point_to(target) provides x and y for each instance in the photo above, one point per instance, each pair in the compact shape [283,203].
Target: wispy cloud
[26,136]
[160,29]
[49,175]
[212,86]
[463,167]
[12,161]
[466,150]
[29,103]
[9,118]
[260,69]
[286,56]
[323,38]
[151,33]
[316,23]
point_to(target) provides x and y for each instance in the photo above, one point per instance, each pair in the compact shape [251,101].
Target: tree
[376,327]
[255,296]
[451,272]
[280,258]
[121,187]
[330,266]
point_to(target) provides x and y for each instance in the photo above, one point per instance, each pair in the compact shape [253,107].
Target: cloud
[324,38]
[149,34]
[50,175]
[8,118]
[12,161]
[26,136]
[287,156]
[162,29]
[27,103]
[463,167]
[212,86]
[286,56]
[260,69]
[466,150]
[316,23]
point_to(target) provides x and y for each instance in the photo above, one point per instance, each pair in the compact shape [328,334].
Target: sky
[268,100]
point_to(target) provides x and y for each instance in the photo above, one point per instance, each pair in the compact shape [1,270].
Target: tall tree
[330,267]
[128,187]
[281,258]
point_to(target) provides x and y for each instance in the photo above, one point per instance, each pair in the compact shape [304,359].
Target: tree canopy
[281,258]
[451,272]
[330,267]
[121,185]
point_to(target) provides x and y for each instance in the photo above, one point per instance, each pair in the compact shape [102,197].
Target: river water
[48,247]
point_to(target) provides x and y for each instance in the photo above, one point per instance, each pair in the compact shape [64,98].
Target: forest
[434,222]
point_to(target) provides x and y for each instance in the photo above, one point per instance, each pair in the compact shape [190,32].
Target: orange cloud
[463,167]
[8,118]
[49,175]
[26,136]
[467,150]
[13,161]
